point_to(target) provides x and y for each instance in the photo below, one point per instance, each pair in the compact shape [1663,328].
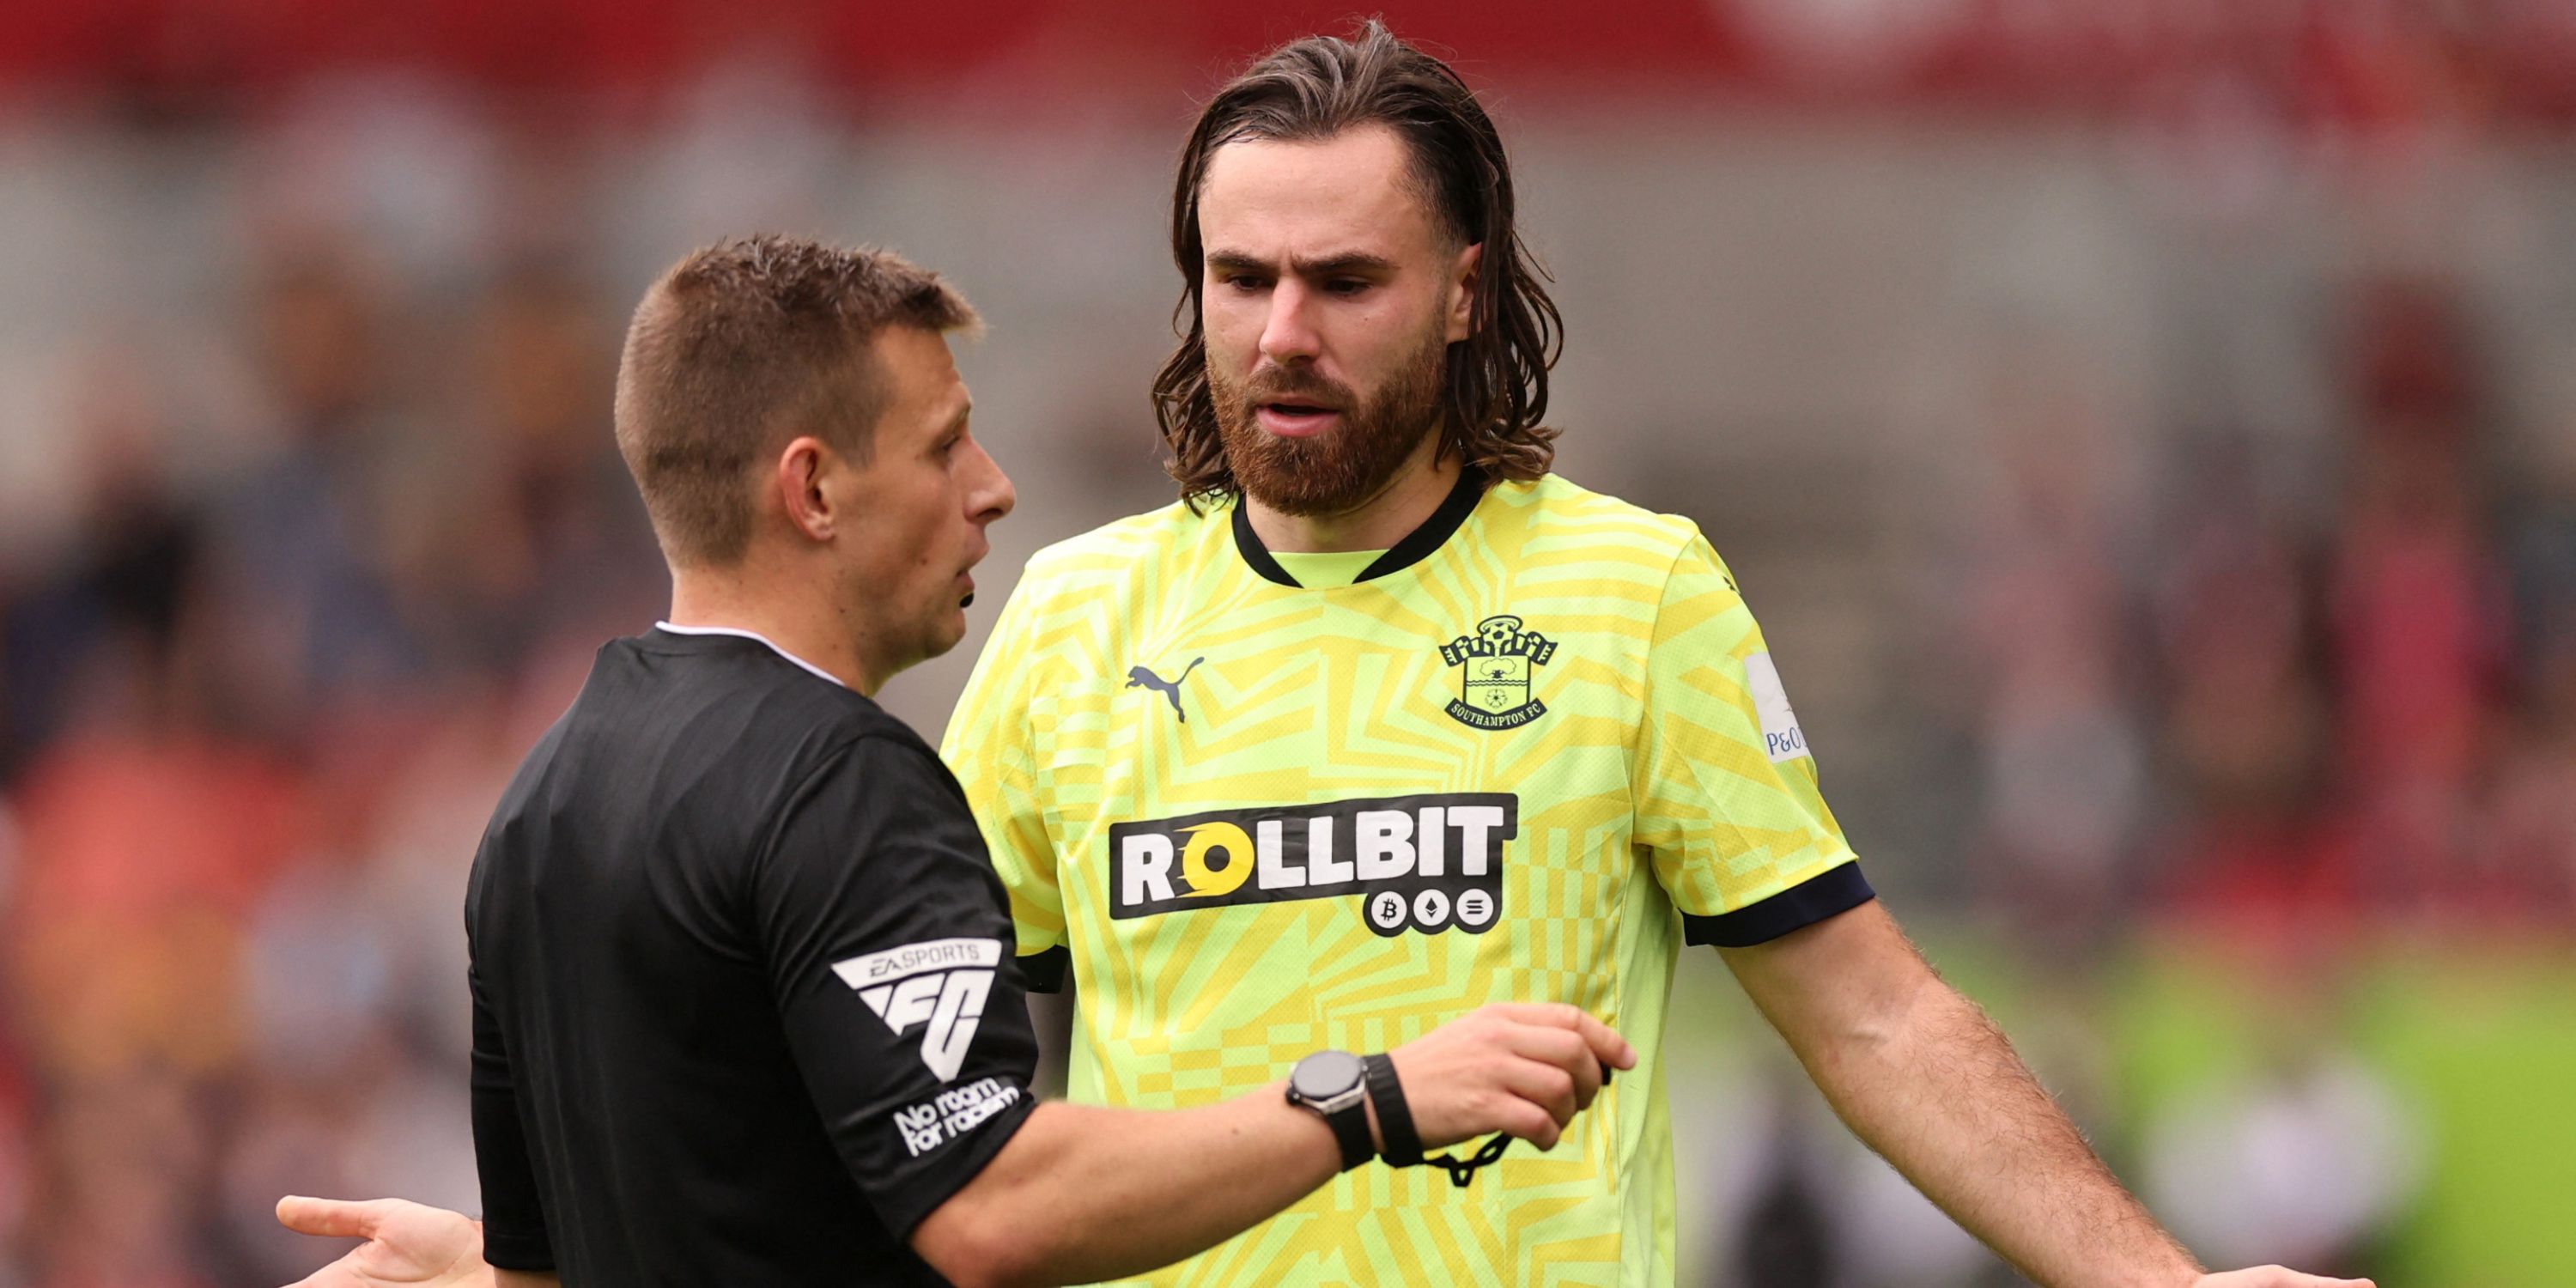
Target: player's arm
[1083,1193]
[1920,1074]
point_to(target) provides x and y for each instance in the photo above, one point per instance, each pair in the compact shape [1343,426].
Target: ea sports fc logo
[1419,863]
[937,986]
[1497,659]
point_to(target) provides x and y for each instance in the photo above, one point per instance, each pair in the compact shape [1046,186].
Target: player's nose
[1288,333]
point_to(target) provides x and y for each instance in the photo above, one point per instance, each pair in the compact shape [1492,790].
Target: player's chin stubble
[1332,472]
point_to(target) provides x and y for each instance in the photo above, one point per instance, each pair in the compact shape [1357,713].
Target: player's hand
[1519,1067]
[2274,1277]
[407,1243]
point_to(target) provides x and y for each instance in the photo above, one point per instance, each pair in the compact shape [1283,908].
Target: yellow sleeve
[1724,786]
[987,747]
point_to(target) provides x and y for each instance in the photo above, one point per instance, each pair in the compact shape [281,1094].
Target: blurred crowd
[327,532]
[249,732]
[2331,682]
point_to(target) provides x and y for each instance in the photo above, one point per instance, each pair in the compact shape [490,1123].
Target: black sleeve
[887,935]
[514,1216]
[1046,971]
[1829,893]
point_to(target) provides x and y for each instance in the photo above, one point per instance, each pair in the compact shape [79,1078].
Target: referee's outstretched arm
[1084,1193]
[1081,1193]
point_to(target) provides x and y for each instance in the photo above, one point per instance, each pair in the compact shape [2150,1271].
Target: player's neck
[789,614]
[1405,503]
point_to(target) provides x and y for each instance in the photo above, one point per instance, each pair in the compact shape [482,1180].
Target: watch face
[1326,1074]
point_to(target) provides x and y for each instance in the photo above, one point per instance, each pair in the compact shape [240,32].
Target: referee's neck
[805,625]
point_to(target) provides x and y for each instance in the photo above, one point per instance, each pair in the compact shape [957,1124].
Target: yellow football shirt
[1524,756]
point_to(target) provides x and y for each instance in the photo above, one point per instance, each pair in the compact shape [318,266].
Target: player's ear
[1462,292]
[803,467]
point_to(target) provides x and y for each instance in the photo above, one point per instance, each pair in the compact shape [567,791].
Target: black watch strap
[1394,1117]
[1350,1128]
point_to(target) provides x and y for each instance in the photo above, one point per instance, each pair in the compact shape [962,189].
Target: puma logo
[1140,678]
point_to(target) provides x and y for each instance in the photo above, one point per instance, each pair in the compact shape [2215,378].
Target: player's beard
[1332,472]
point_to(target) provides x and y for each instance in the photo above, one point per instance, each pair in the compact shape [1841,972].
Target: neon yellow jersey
[1530,751]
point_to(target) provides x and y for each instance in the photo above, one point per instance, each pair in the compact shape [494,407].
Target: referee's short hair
[743,346]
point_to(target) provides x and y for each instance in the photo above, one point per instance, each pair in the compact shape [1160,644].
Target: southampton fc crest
[1496,686]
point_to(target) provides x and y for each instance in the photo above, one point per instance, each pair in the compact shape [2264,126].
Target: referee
[745,1007]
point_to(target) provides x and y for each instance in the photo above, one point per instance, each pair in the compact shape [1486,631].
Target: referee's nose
[989,494]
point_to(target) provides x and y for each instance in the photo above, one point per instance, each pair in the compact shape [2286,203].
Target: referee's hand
[1520,1067]
[407,1243]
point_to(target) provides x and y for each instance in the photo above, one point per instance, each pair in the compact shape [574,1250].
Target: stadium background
[2148,431]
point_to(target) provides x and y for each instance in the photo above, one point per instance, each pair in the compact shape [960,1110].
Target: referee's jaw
[908,521]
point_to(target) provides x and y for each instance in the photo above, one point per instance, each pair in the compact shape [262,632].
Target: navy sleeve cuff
[1835,890]
[1044,971]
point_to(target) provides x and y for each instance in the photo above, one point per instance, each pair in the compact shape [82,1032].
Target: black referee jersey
[740,1012]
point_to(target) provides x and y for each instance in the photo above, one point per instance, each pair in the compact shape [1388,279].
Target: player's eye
[1347,285]
[1243,283]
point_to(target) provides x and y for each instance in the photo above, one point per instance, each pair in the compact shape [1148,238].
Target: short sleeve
[514,1215]
[1724,782]
[885,938]
[987,744]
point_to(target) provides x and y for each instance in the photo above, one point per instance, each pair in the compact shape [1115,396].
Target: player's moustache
[1278,384]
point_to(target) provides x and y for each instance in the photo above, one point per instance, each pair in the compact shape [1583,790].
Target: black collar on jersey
[1416,546]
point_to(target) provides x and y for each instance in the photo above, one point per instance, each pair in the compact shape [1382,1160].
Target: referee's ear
[805,465]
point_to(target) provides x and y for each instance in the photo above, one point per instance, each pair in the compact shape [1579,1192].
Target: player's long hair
[1496,392]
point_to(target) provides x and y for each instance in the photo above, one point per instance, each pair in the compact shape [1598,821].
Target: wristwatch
[1334,1084]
